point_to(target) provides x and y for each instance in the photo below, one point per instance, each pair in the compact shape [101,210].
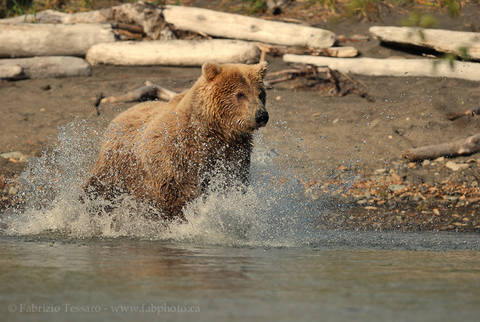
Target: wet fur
[166,153]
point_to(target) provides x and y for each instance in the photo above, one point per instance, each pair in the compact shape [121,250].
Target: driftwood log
[149,92]
[341,52]
[392,67]
[459,147]
[143,14]
[10,71]
[455,115]
[46,67]
[27,40]
[57,17]
[445,41]
[276,50]
[227,25]
[174,52]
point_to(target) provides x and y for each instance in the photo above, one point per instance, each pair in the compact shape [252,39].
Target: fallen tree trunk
[146,15]
[446,41]
[392,67]
[229,25]
[46,67]
[10,71]
[460,147]
[28,40]
[174,52]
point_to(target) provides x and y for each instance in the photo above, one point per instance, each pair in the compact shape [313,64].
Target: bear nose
[261,117]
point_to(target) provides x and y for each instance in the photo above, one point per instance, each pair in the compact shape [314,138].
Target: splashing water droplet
[274,209]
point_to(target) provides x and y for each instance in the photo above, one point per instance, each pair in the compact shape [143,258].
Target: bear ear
[261,68]
[210,70]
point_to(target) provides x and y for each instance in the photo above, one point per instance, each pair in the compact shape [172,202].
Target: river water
[251,255]
[54,279]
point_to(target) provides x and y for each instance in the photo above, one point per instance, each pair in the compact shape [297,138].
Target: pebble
[416,198]
[456,166]
[312,193]
[461,203]
[12,191]
[16,155]
[380,171]
[396,187]
[452,198]
[426,162]
[373,123]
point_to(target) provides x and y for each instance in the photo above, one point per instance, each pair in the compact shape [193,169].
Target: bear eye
[241,95]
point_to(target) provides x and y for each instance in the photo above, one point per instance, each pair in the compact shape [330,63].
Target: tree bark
[234,26]
[459,147]
[392,67]
[27,40]
[445,41]
[173,52]
[46,67]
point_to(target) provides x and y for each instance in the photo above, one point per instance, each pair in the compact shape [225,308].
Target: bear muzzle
[261,118]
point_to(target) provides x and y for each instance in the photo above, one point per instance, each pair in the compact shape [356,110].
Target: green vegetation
[417,19]
[328,4]
[453,6]
[255,6]
[16,7]
[367,8]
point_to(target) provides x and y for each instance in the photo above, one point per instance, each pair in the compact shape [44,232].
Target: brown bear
[166,153]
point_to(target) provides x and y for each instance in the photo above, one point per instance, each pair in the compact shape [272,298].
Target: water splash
[272,211]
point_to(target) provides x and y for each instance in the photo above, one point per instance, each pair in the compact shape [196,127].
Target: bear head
[233,97]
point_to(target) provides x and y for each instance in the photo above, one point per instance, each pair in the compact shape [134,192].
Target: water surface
[124,279]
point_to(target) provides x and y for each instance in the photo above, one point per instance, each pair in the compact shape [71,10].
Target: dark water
[133,280]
